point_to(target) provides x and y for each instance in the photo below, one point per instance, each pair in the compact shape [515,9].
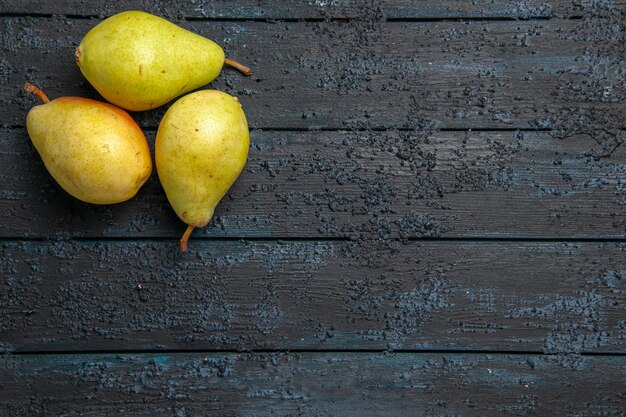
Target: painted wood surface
[561,74]
[431,221]
[310,384]
[311,9]
[558,298]
[358,185]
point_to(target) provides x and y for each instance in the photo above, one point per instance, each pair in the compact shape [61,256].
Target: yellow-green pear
[201,147]
[139,61]
[94,150]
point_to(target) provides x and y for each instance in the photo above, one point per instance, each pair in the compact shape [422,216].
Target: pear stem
[240,67]
[185,238]
[29,88]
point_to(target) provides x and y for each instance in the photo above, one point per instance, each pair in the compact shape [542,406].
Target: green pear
[139,61]
[94,150]
[201,147]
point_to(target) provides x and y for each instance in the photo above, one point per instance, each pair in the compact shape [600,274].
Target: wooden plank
[330,384]
[558,298]
[358,185]
[314,9]
[559,74]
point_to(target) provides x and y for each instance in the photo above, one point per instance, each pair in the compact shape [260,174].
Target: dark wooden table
[431,221]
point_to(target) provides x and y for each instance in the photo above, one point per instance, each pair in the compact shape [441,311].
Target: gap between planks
[296,351]
[310,19]
[313,239]
[368,129]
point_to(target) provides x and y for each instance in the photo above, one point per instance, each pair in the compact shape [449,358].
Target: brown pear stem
[240,67]
[29,88]
[185,238]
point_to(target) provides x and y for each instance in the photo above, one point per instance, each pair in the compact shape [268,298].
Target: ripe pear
[201,147]
[139,61]
[94,150]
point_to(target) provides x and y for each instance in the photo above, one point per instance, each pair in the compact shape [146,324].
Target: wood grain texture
[423,183]
[330,384]
[354,164]
[313,9]
[370,73]
[556,298]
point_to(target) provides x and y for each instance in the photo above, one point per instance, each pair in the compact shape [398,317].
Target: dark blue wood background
[431,221]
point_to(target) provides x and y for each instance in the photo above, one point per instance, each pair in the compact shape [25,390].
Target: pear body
[95,151]
[201,148]
[139,61]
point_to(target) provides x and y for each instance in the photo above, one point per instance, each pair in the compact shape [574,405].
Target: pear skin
[201,148]
[139,61]
[94,150]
